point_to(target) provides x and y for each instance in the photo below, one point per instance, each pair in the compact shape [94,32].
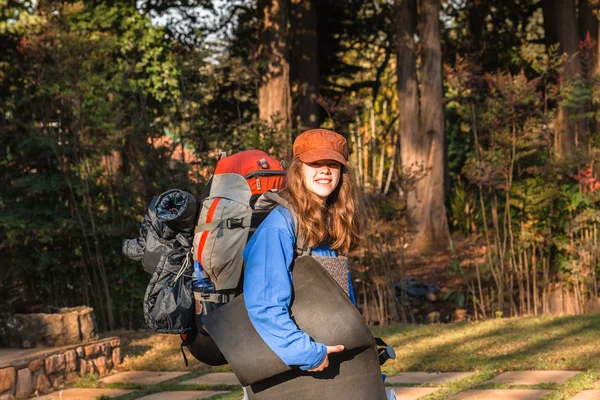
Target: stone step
[533,377]
[501,394]
[143,377]
[413,393]
[214,378]
[84,394]
[183,395]
[419,378]
[587,395]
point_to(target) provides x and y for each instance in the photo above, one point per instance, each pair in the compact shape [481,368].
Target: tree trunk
[274,97]
[305,63]
[365,160]
[433,229]
[113,167]
[422,139]
[588,23]
[560,24]
[373,141]
[408,98]
[359,153]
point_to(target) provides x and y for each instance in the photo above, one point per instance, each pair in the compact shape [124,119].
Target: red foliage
[587,180]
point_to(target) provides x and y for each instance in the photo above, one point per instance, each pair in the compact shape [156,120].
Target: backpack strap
[219,298]
[231,223]
[385,352]
[183,353]
[302,248]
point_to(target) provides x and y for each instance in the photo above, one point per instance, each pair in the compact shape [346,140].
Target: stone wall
[51,370]
[68,326]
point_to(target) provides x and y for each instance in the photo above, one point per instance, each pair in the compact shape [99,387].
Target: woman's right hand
[325,363]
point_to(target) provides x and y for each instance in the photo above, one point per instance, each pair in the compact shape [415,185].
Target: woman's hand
[325,363]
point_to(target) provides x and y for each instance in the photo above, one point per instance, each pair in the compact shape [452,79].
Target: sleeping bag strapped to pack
[163,247]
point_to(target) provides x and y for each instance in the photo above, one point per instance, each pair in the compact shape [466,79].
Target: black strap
[183,353]
[219,298]
[257,218]
[385,352]
[262,172]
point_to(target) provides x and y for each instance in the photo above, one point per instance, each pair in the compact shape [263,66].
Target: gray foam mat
[321,309]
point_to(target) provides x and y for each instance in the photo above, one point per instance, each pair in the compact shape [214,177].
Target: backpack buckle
[234,223]
[263,163]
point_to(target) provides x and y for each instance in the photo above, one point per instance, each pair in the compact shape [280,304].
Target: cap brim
[322,154]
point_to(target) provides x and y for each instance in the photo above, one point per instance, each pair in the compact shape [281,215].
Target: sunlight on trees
[473,129]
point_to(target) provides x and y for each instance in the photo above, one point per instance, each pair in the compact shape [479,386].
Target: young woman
[324,199]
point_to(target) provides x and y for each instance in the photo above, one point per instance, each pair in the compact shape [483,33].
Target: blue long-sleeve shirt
[268,290]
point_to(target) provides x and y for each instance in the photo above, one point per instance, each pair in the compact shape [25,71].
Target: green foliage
[87,88]
[463,209]
[100,111]
[537,205]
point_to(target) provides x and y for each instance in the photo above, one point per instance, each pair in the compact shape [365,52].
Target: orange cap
[321,144]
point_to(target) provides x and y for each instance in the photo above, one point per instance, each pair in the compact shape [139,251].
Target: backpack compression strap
[231,223]
[302,248]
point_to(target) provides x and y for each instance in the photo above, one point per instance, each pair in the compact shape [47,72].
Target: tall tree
[433,229]
[408,97]
[305,63]
[561,25]
[274,96]
[421,121]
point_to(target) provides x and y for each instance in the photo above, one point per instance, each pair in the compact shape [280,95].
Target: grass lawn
[487,348]
[528,343]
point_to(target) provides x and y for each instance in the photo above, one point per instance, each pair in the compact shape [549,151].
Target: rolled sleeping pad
[353,374]
[178,209]
[322,310]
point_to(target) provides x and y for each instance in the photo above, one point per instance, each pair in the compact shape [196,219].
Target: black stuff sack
[166,233]
[169,305]
[164,248]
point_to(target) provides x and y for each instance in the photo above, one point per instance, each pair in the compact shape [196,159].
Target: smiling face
[321,177]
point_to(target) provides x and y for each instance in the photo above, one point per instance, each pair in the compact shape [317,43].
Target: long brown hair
[338,221]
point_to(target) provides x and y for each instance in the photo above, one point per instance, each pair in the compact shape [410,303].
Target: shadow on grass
[551,336]
[172,385]
[524,343]
[134,351]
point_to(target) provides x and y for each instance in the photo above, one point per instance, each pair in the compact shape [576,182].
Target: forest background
[473,128]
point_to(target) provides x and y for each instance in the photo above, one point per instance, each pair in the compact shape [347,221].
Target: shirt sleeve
[268,293]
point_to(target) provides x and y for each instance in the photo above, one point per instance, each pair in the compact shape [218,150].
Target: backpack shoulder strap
[273,197]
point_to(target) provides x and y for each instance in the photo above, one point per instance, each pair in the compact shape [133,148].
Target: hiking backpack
[231,210]
[227,213]
[228,217]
